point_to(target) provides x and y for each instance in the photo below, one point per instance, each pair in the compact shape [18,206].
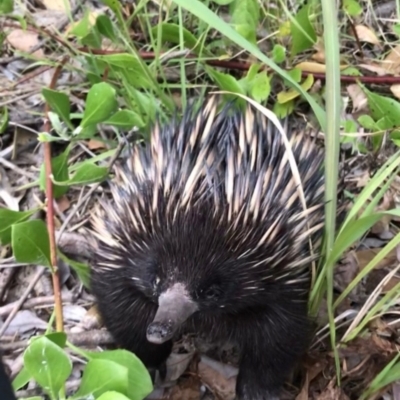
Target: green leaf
[85,174]
[82,270]
[114,5]
[139,380]
[59,102]
[170,33]
[278,53]
[352,233]
[352,7]
[6,6]
[100,104]
[130,67]
[113,396]
[225,81]
[125,119]
[3,119]
[58,338]
[30,242]
[59,167]
[83,27]
[200,10]
[105,27]
[283,109]
[303,34]
[23,377]
[101,376]
[223,2]
[367,122]
[245,15]
[384,107]
[260,87]
[9,218]
[396,29]
[48,364]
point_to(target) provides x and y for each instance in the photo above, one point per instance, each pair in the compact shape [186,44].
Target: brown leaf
[392,62]
[57,5]
[365,34]
[395,89]
[358,97]
[24,41]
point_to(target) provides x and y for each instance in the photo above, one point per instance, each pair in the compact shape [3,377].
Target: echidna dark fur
[206,228]
[6,389]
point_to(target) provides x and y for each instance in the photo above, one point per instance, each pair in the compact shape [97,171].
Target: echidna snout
[175,306]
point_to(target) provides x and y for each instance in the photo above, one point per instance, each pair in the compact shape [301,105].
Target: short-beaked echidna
[206,229]
[5,384]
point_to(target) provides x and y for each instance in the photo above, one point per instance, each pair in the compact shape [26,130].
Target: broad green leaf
[171,33]
[100,104]
[225,81]
[58,338]
[303,34]
[113,396]
[223,2]
[6,6]
[245,15]
[278,53]
[105,27]
[284,109]
[48,364]
[260,87]
[101,376]
[384,107]
[92,39]
[23,377]
[59,167]
[352,7]
[85,174]
[125,119]
[130,67]
[139,380]
[367,122]
[30,242]
[82,270]
[59,102]
[291,94]
[9,218]
[83,27]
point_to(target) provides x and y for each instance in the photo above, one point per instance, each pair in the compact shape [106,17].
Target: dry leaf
[57,5]
[392,62]
[24,41]
[358,97]
[63,203]
[95,144]
[366,35]
[319,56]
[395,89]
[311,67]
[373,67]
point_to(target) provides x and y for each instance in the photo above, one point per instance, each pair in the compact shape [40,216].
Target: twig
[19,303]
[50,210]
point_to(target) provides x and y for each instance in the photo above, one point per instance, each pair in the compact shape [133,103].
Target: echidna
[5,384]
[206,229]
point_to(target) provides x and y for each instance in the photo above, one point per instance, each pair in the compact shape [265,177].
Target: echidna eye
[211,292]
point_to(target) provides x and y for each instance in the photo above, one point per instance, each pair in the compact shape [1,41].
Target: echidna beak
[174,307]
